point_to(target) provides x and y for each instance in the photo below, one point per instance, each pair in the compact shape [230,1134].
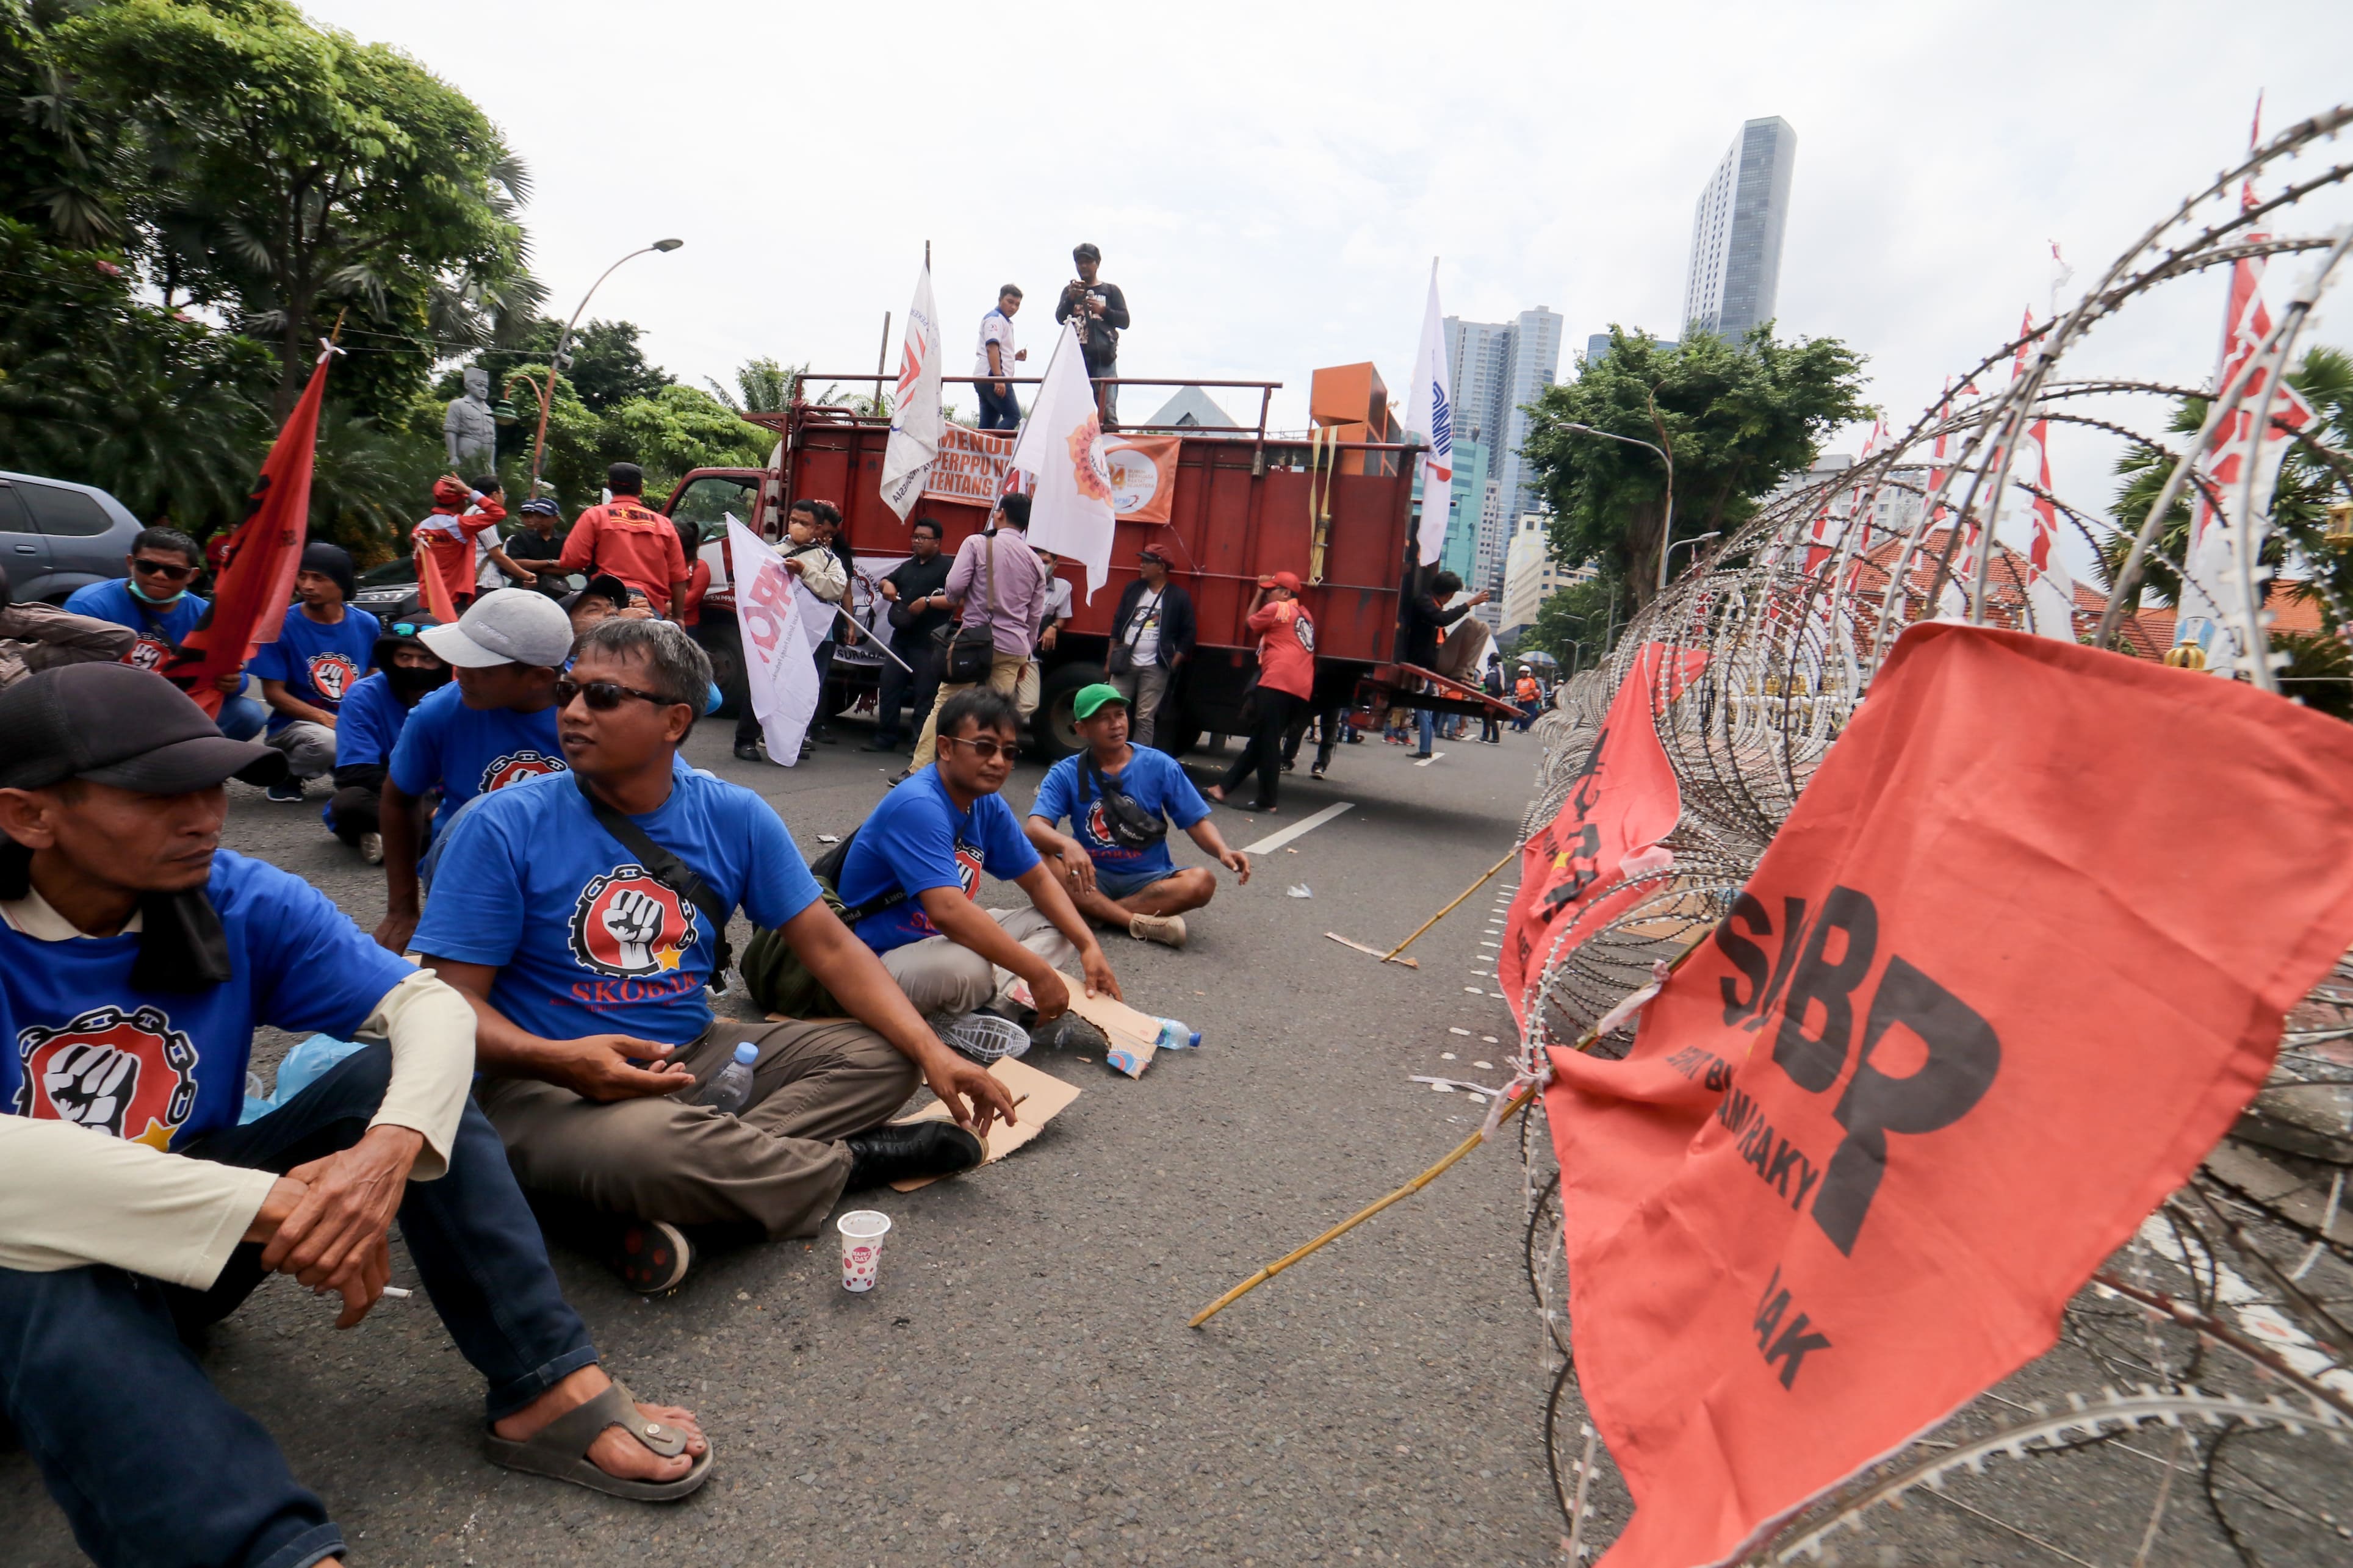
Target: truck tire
[722,641]
[1054,733]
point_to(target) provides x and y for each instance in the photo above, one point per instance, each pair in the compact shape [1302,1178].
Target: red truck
[1241,508]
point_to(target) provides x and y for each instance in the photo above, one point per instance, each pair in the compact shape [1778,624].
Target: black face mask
[411,685]
[181,946]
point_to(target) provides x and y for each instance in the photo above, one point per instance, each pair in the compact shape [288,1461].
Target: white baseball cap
[506,625]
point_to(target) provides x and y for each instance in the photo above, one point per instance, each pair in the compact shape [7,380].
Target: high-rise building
[1531,576]
[1495,369]
[1734,278]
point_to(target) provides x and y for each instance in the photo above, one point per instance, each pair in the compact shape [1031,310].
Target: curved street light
[1667,524]
[557,366]
[1678,544]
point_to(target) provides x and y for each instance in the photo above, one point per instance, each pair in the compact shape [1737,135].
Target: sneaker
[286,792]
[879,744]
[1167,930]
[747,750]
[652,1256]
[1316,772]
[371,848]
[908,1151]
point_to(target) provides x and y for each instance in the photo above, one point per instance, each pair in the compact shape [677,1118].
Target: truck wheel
[721,643]
[1184,735]
[1054,732]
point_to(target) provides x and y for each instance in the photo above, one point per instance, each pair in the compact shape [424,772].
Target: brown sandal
[560,1449]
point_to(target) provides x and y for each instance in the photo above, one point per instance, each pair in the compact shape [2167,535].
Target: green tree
[2309,482]
[679,429]
[1738,417]
[762,386]
[1572,624]
[294,172]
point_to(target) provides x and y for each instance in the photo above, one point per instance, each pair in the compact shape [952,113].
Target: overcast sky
[1269,181]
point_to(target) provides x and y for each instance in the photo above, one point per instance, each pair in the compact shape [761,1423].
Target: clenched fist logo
[129,1074]
[90,1085]
[627,925]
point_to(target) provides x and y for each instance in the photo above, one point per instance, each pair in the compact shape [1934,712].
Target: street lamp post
[555,368]
[1678,544]
[1667,523]
[1574,647]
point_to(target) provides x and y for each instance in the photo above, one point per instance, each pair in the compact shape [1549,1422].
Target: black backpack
[773,975]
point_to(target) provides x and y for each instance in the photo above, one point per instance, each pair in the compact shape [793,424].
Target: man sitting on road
[155,601]
[1120,799]
[583,917]
[367,727]
[136,960]
[911,879]
[323,648]
[629,539]
[492,726]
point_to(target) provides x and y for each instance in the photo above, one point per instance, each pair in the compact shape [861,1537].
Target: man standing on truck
[1101,313]
[999,409]
[628,540]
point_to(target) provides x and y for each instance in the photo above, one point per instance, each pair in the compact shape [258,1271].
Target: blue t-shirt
[160,628]
[369,725]
[466,752]
[1151,779]
[917,840]
[164,1067]
[586,942]
[319,664]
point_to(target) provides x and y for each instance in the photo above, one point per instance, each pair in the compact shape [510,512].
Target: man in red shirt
[447,540]
[627,539]
[1286,678]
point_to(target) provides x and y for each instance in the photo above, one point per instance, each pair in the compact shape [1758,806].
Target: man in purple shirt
[1011,608]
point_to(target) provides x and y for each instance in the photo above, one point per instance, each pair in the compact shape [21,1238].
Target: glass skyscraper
[1734,278]
[1495,369]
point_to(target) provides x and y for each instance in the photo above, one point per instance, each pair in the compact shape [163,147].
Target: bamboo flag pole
[1518,1103]
[1450,908]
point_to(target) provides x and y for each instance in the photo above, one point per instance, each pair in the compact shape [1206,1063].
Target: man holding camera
[1101,310]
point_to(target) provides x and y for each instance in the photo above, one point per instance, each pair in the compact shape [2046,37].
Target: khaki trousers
[942,977]
[780,1165]
[1143,686]
[1005,671]
[1463,649]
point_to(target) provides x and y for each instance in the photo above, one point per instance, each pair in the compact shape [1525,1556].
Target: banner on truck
[970,465]
[1143,476]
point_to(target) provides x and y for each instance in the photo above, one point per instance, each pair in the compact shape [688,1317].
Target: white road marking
[1452,1030]
[1274,841]
[1425,761]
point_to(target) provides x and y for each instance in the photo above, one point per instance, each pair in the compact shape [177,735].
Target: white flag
[1430,417]
[915,416]
[780,622]
[1062,445]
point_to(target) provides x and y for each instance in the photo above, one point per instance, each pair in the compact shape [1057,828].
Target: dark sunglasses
[986,750]
[157,569]
[604,696]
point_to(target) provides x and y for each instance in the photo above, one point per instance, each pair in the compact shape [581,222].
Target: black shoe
[1070,1033]
[286,792]
[897,778]
[652,1257]
[879,744]
[907,1150]
[747,750]
[824,735]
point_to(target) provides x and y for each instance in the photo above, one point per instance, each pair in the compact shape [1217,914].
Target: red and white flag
[780,623]
[915,413]
[1956,1037]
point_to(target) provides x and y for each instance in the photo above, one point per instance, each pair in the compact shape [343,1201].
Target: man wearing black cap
[136,959]
[630,540]
[323,648]
[537,541]
[1101,313]
[368,726]
[1151,638]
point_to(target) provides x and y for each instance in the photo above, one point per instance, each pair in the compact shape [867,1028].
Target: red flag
[249,598]
[1970,1020]
[1623,802]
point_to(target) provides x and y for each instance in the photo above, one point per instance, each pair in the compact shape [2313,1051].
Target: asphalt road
[1021,1387]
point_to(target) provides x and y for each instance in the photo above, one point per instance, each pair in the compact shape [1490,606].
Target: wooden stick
[1519,1103]
[1360,947]
[1451,908]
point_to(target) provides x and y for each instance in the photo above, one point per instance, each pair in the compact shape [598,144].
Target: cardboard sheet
[1040,1096]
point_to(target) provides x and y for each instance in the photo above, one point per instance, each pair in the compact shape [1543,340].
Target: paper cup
[862,1231]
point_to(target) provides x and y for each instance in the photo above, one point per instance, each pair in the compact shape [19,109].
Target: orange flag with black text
[2016,960]
[1623,801]
[251,595]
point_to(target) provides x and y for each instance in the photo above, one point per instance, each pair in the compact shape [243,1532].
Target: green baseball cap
[1091,697]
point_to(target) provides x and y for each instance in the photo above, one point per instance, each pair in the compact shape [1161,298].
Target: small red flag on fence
[2018,958]
[1624,800]
[251,596]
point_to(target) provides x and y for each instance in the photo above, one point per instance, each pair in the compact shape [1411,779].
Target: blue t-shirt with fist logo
[320,664]
[465,751]
[1154,780]
[584,940]
[917,840]
[164,1068]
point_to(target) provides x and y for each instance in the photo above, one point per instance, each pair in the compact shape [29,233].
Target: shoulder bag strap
[669,870]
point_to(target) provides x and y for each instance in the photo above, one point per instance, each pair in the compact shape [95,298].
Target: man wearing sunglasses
[493,725]
[913,871]
[154,599]
[583,915]
[368,727]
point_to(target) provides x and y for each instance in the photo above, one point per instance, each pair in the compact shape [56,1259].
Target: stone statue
[469,430]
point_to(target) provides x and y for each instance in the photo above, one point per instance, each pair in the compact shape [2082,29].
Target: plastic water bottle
[730,1091]
[1176,1037]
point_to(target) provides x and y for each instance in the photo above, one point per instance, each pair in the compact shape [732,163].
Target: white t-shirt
[995,327]
[1144,630]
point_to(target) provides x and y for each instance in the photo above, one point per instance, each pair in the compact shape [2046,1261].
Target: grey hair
[681,670]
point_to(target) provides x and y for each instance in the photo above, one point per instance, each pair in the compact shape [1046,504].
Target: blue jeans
[1426,722]
[998,413]
[150,1464]
[241,718]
